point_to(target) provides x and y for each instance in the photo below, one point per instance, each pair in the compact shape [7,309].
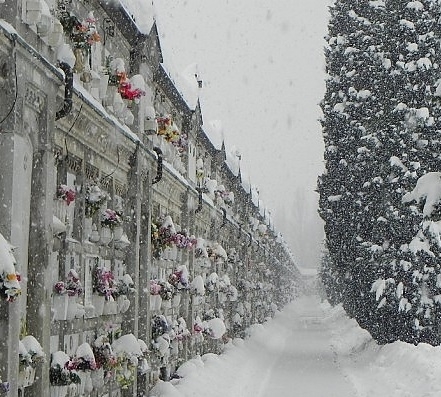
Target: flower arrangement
[181,332]
[10,286]
[211,282]
[167,290]
[129,350]
[95,198]
[217,252]
[4,387]
[124,286]
[223,194]
[198,325]
[160,326]
[9,278]
[129,92]
[164,235]
[168,130]
[72,286]
[84,359]
[179,278]
[155,287]
[111,218]
[161,237]
[200,173]
[82,33]
[116,70]
[103,282]
[104,355]
[66,194]
[181,240]
[197,286]
[30,352]
[59,374]
[125,373]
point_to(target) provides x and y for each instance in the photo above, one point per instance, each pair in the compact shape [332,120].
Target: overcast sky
[262,67]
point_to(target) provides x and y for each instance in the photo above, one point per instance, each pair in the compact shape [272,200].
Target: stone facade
[136,243]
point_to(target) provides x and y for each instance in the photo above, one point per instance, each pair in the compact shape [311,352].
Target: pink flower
[60,287]
[155,288]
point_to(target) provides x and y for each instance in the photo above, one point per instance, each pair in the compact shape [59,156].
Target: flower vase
[198,300]
[166,304]
[60,210]
[98,303]
[110,307]
[97,378]
[59,391]
[176,300]
[81,387]
[94,235]
[59,305]
[222,297]
[110,93]
[105,235]
[102,88]
[117,233]
[26,376]
[123,303]
[128,102]
[174,347]
[79,60]
[87,230]
[155,302]
[72,307]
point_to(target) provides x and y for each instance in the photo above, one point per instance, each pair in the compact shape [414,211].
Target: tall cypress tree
[381,133]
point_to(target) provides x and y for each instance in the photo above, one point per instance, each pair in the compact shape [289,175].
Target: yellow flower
[11,277]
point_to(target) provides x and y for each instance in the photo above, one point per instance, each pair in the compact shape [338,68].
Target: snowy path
[288,356]
[306,366]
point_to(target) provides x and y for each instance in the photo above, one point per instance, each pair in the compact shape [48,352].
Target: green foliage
[380,127]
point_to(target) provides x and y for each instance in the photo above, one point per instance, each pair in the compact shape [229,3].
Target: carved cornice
[35,98]
[120,188]
[99,136]
[92,172]
[74,163]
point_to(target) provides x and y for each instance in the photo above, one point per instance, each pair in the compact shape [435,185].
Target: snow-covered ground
[310,350]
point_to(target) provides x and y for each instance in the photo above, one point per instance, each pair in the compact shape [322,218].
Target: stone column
[42,190]
[137,318]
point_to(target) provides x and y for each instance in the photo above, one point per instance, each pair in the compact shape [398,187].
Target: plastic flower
[128,92]
[95,198]
[66,194]
[103,282]
[155,287]
[72,286]
[111,218]
[60,287]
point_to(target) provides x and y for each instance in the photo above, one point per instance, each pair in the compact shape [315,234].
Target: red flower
[127,92]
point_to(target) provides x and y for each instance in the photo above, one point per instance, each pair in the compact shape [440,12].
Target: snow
[85,351]
[428,188]
[310,349]
[7,260]
[197,285]
[377,4]
[8,278]
[59,358]
[129,345]
[408,24]
[215,328]
[415,5]
[32,346]
[66,55]
[141,12]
